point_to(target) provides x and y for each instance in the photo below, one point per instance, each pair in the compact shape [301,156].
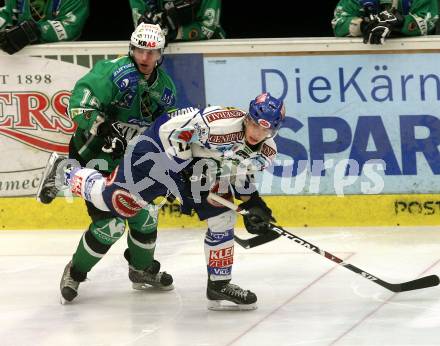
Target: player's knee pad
[108,231]
[219,246]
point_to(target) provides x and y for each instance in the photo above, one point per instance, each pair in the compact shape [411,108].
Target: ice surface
[303,298]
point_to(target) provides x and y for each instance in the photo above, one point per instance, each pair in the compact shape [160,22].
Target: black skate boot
[47,190]
[221,292]
[70,282]
[142,279]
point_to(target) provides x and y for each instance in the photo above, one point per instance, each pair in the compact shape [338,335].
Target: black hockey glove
[150,17]
[378,34]
[199,177]
[170,21]
[259,215]
[114,141]
[374,31]
[18,37]
[394,20]
[167,20]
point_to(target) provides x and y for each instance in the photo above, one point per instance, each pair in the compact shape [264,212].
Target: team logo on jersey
[126,81]
[219,115]
[168,97]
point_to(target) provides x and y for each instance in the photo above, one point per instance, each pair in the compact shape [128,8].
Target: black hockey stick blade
[424,282]
[257,240]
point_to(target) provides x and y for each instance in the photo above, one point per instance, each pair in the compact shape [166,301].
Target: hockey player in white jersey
[188,154]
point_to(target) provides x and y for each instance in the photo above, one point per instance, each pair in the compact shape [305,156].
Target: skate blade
[52,158]
[146,287]
[224,305]
[63,301]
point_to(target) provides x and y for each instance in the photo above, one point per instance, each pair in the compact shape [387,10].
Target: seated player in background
[376,20]
[27,22]
[181,20]
[190,153]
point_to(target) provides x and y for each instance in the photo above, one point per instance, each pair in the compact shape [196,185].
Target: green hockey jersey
[58,20]
[202,24]
[117,91]
[420,16]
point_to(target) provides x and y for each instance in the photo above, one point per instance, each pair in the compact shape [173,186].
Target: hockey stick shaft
[423,282]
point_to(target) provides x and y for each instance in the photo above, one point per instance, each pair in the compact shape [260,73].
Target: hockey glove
[378,35]
[199,178]
[170,21]
[150,18]
[259,215]
[18,37]
[393,20]
[114,140]
[374,31]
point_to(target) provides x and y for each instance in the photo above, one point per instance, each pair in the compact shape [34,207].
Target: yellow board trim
[290,211]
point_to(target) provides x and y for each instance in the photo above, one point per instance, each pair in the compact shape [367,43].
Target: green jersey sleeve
[206,24]
[68,22]
[347,18]
[138,8]
[422,18]
[91,95]
[6,14]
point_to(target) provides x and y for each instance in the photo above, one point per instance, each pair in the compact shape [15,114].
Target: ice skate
[223,295]
[143,279]
[47,190]
[68,286]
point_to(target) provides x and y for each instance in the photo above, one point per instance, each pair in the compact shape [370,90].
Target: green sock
[141,255]
[85,258]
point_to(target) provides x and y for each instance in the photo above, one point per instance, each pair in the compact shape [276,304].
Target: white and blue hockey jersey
[214,133]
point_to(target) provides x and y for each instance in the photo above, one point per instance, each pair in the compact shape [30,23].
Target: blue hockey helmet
[370,5]
[268,112]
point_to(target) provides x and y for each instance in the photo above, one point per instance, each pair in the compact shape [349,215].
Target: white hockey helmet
[148,36]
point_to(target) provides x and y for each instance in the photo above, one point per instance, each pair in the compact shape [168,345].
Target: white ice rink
[303,298]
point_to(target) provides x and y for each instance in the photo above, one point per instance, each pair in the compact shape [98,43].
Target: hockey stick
[424,282]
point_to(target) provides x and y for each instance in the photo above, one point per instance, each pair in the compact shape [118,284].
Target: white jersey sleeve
[177,134]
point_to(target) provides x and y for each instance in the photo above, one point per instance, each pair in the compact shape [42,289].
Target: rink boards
[362,122]
[290,211]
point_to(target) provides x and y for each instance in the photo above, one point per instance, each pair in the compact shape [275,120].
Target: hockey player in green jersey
[181,20]
[113,103]
[377,20]
[24,22]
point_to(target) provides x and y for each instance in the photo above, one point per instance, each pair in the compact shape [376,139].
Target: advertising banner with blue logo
[356,124]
